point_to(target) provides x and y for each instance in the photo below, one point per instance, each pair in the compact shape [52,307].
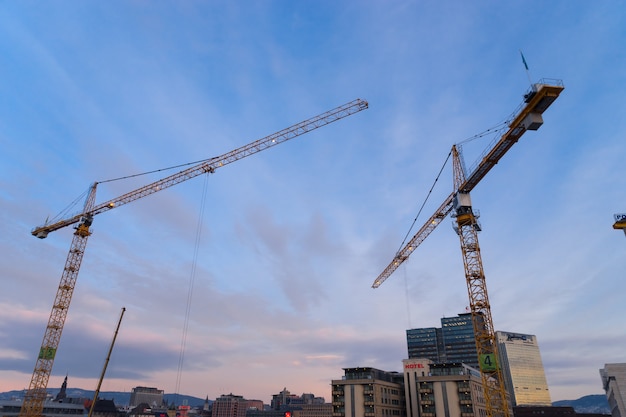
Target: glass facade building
[459,341]
[425,343]
[452,343]
[522,369]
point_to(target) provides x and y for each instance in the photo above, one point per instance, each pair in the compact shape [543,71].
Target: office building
[234,406]
[145,395]
[285,398]
[442,389]
[613,377]
[425,343]
[454,342]
[522,369]
[368,392]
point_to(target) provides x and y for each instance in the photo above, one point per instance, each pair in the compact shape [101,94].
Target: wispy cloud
[292,238]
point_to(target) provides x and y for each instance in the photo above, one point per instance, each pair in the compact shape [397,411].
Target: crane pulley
[529,117]
[34,398]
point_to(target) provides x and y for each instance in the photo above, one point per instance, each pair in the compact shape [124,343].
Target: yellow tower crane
[34,398]
[540,96]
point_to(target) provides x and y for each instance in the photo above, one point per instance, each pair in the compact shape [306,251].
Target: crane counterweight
[620,222]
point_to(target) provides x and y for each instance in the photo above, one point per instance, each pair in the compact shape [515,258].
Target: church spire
[62,394]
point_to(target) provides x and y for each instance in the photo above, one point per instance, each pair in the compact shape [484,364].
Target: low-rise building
[443,389]
[368,392]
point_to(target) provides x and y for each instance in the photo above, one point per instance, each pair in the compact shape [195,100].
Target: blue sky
[292,238]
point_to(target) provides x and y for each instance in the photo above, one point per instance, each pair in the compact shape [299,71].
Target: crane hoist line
[34,398]
[529,117]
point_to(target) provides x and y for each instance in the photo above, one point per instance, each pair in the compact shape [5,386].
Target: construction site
[216,270]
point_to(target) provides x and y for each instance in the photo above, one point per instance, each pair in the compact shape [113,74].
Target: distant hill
[589,404]
[119,398]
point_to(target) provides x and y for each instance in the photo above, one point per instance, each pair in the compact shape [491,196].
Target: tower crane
[34,398]
[528,117]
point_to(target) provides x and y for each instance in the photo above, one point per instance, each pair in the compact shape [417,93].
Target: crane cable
[192,277]
[424,203]
[495,130]
[68,211]
[156,170]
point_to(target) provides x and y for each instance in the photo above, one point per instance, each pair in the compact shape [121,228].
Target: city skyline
[260,274]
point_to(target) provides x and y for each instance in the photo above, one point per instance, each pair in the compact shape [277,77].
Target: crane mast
[34,398]
[467,227]
[36,395]
[529,117]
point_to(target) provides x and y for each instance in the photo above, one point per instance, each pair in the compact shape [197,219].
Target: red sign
[413,365]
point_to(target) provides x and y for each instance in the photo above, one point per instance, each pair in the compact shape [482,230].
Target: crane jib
[528,117]
[210,165]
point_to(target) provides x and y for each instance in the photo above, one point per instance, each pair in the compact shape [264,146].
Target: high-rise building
[454,342]
[459,343]
[442,389]
[426,343]
[368,392]
[522,369]
[614,383]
